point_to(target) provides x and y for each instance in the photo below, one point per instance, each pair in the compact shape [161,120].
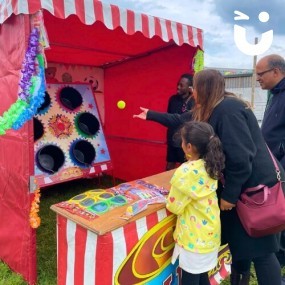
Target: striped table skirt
[137,253]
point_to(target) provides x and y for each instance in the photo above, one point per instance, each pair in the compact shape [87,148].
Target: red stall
[135,57]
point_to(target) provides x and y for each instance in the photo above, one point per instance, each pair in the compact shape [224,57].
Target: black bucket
[50,158]
[83,152]
[38,129]
[70,98]
[45,104]
[88,123]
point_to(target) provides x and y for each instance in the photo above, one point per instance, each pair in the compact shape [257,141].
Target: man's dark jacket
[273,125]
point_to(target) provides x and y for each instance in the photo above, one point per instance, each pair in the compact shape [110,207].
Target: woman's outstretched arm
[165,119]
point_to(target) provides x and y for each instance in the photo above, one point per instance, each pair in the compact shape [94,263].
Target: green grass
[46,233]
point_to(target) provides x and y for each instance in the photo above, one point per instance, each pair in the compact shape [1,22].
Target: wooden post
[253,82]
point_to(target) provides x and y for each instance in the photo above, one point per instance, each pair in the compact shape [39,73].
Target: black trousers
[267,269]
[281,253]
[194,279]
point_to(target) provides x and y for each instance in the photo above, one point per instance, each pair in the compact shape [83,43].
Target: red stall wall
[137,147]
[17,239]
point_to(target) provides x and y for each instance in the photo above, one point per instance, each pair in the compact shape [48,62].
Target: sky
[216,18]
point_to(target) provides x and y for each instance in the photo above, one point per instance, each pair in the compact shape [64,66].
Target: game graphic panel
[68,135]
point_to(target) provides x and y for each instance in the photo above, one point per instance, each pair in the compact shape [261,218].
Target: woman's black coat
[248,164]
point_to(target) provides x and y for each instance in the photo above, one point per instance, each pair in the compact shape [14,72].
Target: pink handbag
[261,209]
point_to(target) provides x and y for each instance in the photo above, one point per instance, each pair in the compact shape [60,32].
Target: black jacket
[273,125]
[177,105]
[248,164]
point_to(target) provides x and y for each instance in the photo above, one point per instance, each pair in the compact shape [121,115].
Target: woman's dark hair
[209,147]
[210,88]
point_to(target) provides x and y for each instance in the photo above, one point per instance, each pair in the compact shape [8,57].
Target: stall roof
[91,32]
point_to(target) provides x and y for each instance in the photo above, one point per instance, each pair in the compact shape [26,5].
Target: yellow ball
[121,104]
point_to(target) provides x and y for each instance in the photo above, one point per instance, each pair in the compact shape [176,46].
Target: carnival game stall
[104,53]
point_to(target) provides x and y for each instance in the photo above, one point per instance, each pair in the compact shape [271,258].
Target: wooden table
[112,219]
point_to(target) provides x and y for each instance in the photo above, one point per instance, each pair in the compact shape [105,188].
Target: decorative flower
[60,126]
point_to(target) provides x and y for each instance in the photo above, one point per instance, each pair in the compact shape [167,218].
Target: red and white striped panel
[221,275]
[112,16]
[89,259]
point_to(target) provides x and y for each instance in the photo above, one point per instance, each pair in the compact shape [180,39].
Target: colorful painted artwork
[140,189]
[93,203]
[69,139]
[149,261]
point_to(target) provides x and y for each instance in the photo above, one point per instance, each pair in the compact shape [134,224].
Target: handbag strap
[256,188]
[275,164]
[222,179]
[260,186]
[251,200]
[273,158]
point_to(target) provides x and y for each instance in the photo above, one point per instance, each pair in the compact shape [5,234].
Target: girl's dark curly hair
[209,147]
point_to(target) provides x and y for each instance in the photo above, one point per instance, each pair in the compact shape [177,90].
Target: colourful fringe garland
[32,87]
[199,61]
[35,220]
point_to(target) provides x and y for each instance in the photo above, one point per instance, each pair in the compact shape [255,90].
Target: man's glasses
[260,74]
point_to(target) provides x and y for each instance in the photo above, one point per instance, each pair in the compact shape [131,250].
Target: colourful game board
[139,189]
[93,203]
[69,139]
[137,194]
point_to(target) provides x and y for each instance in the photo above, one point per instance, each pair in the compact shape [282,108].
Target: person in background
[247,164]
[193,199]
[270,73]
[178,103]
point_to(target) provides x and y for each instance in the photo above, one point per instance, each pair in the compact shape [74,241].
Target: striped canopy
[90,11]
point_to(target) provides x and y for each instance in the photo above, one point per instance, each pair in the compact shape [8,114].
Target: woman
[248,163]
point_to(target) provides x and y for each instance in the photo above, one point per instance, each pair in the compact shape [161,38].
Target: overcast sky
[216,18]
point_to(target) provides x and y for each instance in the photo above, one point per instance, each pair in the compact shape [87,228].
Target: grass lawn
[46,233]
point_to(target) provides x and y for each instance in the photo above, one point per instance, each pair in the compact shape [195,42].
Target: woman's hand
[142,115]
[224,205]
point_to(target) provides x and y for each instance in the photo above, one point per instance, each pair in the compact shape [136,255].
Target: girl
[193,199]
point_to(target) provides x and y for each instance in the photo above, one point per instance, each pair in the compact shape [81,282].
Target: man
[178,103]
[270,72]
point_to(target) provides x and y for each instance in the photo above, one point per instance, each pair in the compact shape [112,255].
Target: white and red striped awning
[90,11]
